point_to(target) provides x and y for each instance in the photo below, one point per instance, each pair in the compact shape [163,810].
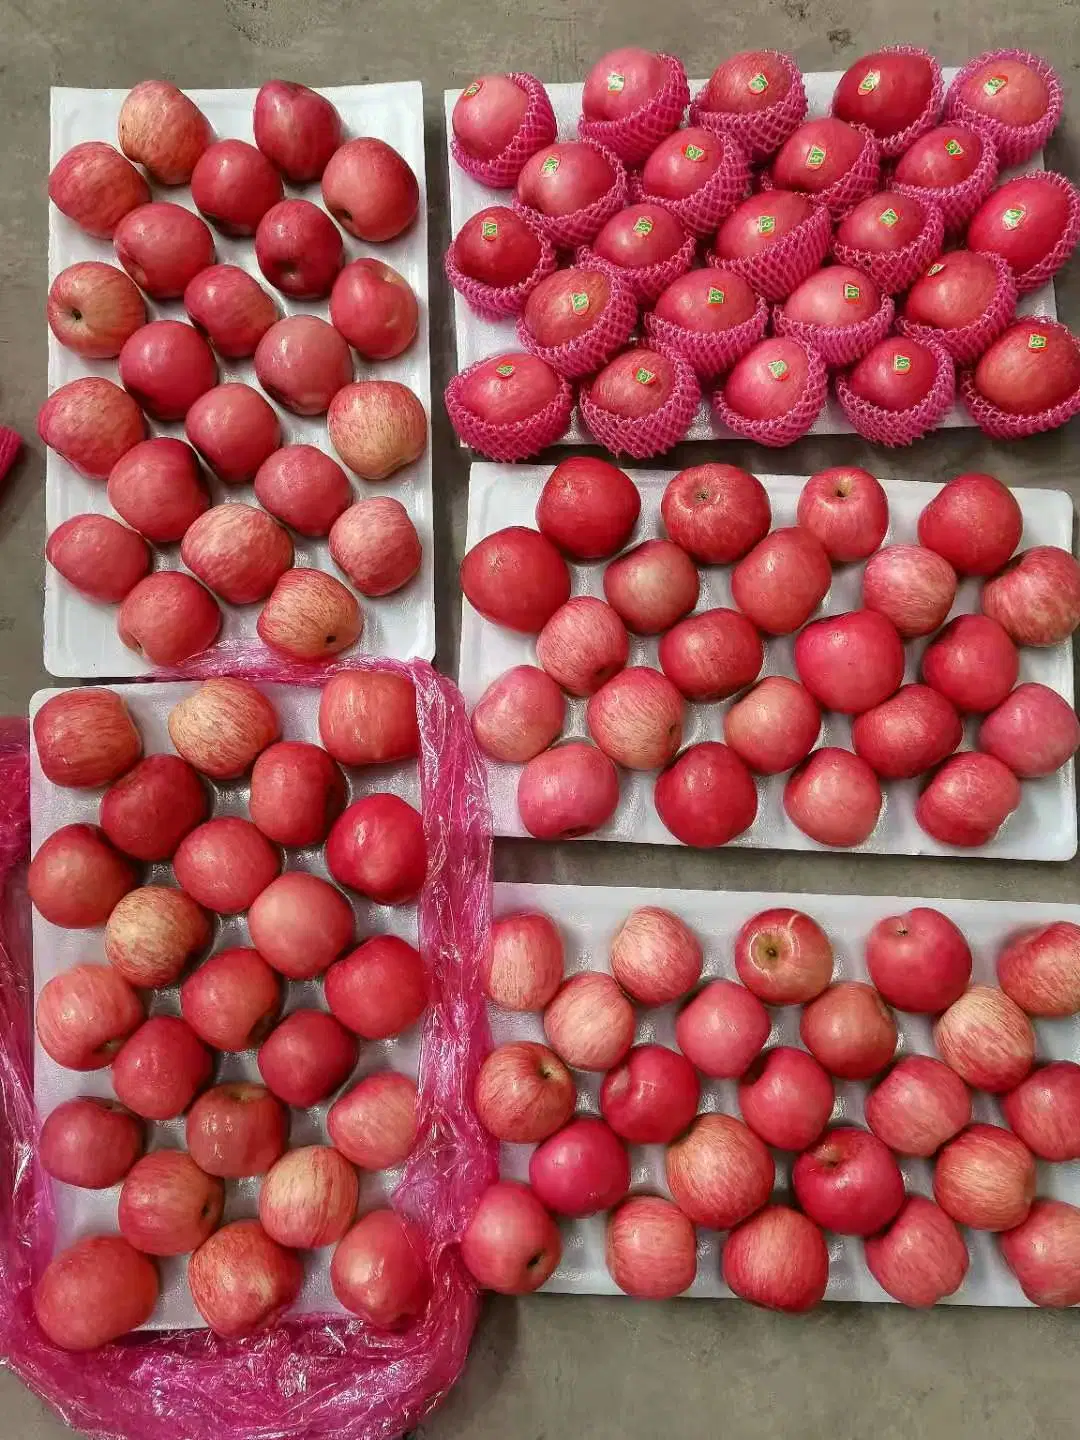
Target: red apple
[496,247]
[519,715]
[300,924]
[777,1259]
[370,190]
[783,957]
[302,363]
[1033,366]
[782,581]
[375,309]
[912,587]
[153,933]
[562,178]
[640,235]
[636,718]
[722,1029]
[238,552]
[846,509]
[310,616]
[380,1270]
[93,308]
[225,864]
[850,662]
[89,1142]
[1033,731]
[158,489]
[299,249]
[100,558]
[232,1000]
[1021,220]
[921,1257]
[84,1015]
[568,791]
[918,1106]
[972,662]
[1006,89]
[987,1039]
[849,1182]
[303,487]
[1044,1110]
[488,115]
[308,1198]
[230,308]
[882,223]
[380,990]
[968,800]
[583,645]
[707,302]
[652,586]
[378,848]
[511,1244]
[786,1097]
[581,1170]
[368,717]
[650,1248]
[1040,969]
[297,792]
[306,1058]
[655,956]
[222,726]
[1037,597]
[161,1068]
[712,654]
[590,1022]
[508,388]
[622,82]
[162,130]
[919,961]
[685,161]
[757,223]
[956,291]
[1044,1253]
[376,1123]
[95,186]
[943,157]
[773,726]
[236,1130]
[94,1292]
[76,877]
[375,543]
[769,380]
[715,512]
[707,796]
[651,1097]
[849,1030]
[974,522]
[234,430]
[241,1281]
[522,965]
[85,738]
[817,155]
[588,508]
[636,383]
[168,1206]
[895,374]
[523,1093]
[747,82]
[163,247]
[834,797]
[886,91]
[166,366]
[985,1179]
[377,427]
[913,731]
[234,185]
[719,1172]
[91,423]
[566,305]
[832,298]
[297,129]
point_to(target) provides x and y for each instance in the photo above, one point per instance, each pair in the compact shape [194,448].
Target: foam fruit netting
[1051,263]
[1014,143]
[586,353]
[709,354]
[646,435]
[537,128]
[493,301]
[647,282]
[895,270]
[761,132]
[784,429]
[318,1375]
[958,203]
[519,438]
[775,272]
[901,427]
[898,142]
[967,342]
[636,136]
[580,226]
[839,344]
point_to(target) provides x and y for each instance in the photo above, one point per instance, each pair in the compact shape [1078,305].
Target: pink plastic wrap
[761,134]
[958,203]
[647,435]
[1065,244]
[10,445]
[495,302]
[636,136]
[898,142]
[537,128]
[589,352]
[567,232]
[1015,143]
[317,1376]
[701,212]
[517,440]
[776,272]
[647,282]
[901,427]
[854,185]
[709,353]
[999,424]
[967,342]
[785,429]
[895,270]
[839,344]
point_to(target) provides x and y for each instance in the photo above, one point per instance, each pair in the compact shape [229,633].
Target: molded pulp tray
[81,1212]
[1044,826]
[478,337]
[80,635]
[588,917]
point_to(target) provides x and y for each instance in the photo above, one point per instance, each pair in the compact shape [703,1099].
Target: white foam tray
[477,337]
[589,915]
[80,634]
[85,1212]
[1044,826]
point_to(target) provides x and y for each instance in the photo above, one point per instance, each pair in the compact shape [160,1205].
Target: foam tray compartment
[1043,828]
[80,634]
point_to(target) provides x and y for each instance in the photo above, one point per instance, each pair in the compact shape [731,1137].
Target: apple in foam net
[722,1029]
[757,223]
[76,877]
[847,509]
[230,308]
[580,1170]
[1007,90]
[849,1182]
[506,389]
[884,91]
[94,1292]
[568,791]
[237,551]
[1039,969]
[375,543]
[300,924]
[943,157]
[302,363]
[918,1106]
[523,1093]
[496,247]
[84,1015]
[895,374]
[163,247]
[882,223]
[974,522]
[162,130]
[621,83]
[972,662]
[303,487]
[773,726]
[369,718]
[168,617]
[650,1248]
[1037,597]
[310,616]
[655,956]
[378,848]
[707,301]
[769,380]
[719,1172]
[297,792]
[968,800]
[1033,731]
[1021,221]
[370,190]
[637,383]
[849,1030]
[242,1281]
[911,586]
[380,1270]
[590,1022]
[100,558]
[907,734]
[636,718]
[222,726]
[92,423]
[380,989]
[522,966]
[777,1259]
[833,298]
[921,1257]
[786,1098]
[93,308]
[652,586]
[750,81]
[234,185]
[783,957]
[588,508]
[640,235]
[236,1130]
[153,933]
[168,1206]
[85,738]
[90,1142]
[707,796]
[158,488]
[1032,367]
[562,178]
[1044,1254]
[297,129]
[712,654]
[375,1124]
[782,580]
[919,961]
[375,309]
[956,291]
[683,162]
[511,1244]
[299,249]
[716,512]
[166,366]
[488,114]
[161,1068]
[308,1198]
[306,1058]
[987,1039]
[1044,1110]
[850,662]
[817,155]
[95,186]
[232,1000]
[651,1097]
[985,1178]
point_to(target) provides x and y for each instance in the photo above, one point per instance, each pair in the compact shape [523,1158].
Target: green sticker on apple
[778,369]
[901,364]
[1037,341]
[550,165]
[815,157]
[644,377]
[870,81]
[935,269]
[757,84]
[579,301]
[889,217]
[693,152]
[1013,217]
[715,295]
[643,225]
[766,224]
[953,147]
[616,82]
[994,83]
[851,292]
[489,229]
[473,89]
[505,369]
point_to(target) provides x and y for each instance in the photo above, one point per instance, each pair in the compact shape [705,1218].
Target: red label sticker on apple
[715,295]
[889,217]
[778,369]
[489,230]
[757,84]
[766,224]
[1037,341]
[473,89]
[1013,217]
[693,152]
[935,269]
[505,370]
[643,225]
[644,377]
[953,147]
[851,292]
[901,364]
[550,165]
[870,81]
[815,157]
[616,82]
[579,302]
[994,83]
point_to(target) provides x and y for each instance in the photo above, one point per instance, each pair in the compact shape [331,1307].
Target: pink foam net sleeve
[319,1376]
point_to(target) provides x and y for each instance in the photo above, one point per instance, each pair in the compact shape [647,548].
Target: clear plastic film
[315,1375]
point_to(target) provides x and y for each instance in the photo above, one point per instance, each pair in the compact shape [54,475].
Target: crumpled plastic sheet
[315,1376]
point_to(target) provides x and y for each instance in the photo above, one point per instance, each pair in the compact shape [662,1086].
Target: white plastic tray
[477,337]
[84,1212]
[588,917]
[80,634]
[1044,826]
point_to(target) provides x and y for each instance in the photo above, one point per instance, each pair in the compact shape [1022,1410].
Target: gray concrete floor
[554,1367]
